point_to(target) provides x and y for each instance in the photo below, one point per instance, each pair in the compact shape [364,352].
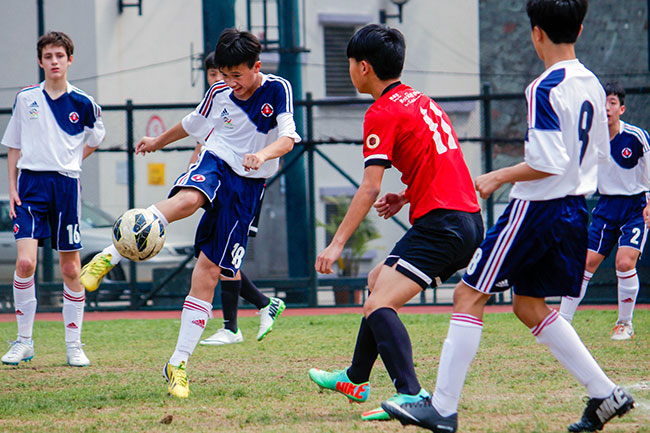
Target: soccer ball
[138,234]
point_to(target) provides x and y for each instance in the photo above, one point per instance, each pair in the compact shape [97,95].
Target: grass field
[514,385]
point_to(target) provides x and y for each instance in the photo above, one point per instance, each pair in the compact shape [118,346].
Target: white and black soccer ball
[138,234]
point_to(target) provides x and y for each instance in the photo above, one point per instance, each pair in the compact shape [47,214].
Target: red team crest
[16,228]
[372,141]
[198,178]
[267,110]
[626,152]
[74,117]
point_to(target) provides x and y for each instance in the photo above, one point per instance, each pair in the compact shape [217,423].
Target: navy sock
[365,354]
[252,294]
[229,300]
[394,346]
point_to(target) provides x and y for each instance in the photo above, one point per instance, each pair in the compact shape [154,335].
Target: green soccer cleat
[177,378]
[268,315]
[379,414]
[338,381]
[95,270]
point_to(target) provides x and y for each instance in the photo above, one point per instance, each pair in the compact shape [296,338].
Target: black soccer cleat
[600,410]
[422,414]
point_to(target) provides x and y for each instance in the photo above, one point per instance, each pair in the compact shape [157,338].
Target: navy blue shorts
[618,219]
[232,203]
[50,207]
[537,247]
[437,245]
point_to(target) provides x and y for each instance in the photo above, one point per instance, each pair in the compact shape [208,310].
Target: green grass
[514,385]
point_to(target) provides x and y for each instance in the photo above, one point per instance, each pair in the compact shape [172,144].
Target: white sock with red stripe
[458,351]
[194,319]
[159,214]
[73,314]
[628,289]
[569,305]
[559,336]
[25,303]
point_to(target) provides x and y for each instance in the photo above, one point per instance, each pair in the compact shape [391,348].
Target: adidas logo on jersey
[224,113]
[72,325]
[199,322]
[33,105]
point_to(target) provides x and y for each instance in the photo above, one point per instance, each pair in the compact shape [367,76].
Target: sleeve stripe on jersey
[206,105]
[287,91]
[545,117]
[639,133]
[378,159]
[24,89]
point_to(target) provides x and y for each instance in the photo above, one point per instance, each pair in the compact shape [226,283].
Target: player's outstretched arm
[151,144]
[487,183]
[359,207]
[12,160]
[280,147]
[390,204]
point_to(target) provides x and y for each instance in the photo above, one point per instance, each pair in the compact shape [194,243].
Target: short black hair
[382,47]
[208,62]
[614,88]
[236,47]
[560,19]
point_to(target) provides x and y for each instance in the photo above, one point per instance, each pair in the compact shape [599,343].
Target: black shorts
[437,245]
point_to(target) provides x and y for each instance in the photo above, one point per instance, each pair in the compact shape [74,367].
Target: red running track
[175,314]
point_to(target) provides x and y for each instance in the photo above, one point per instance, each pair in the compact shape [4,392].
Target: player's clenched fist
[252,161]
[390,204]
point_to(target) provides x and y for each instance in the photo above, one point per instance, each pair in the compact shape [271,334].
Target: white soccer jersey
[626,170]
[567,132]
[51,133]
[231,128]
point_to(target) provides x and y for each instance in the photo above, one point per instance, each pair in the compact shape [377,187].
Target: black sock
[394,346]
[229,301]
[365,354]
[252,294]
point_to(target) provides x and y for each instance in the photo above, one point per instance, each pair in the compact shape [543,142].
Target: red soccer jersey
[407,129]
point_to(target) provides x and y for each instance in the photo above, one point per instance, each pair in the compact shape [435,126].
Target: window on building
[337,77]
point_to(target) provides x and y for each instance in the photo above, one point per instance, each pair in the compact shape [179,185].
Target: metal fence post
[313,278]
[130,170]
[487,134]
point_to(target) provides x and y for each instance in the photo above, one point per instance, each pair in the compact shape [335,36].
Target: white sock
[628,289]
[73,314]
[559,336]
[115,255]
[25,303]
[194,319]
[458,351]
[159,214]
[569,305]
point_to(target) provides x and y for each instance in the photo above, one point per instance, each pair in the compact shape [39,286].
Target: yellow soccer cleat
[95,270]
[177,378]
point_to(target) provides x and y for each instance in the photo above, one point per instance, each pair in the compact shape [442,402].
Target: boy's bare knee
[70,270]
[25,266]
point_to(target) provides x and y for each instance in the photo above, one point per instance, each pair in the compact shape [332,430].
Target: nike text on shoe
[622,331]
[600,410]
[18,351]
[268,315]
[95,270]
[222,337]
[422,414]
[338,381]
[178,385]
[75,356]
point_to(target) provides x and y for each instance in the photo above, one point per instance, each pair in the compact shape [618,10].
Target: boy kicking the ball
[246,122]
[53,127]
